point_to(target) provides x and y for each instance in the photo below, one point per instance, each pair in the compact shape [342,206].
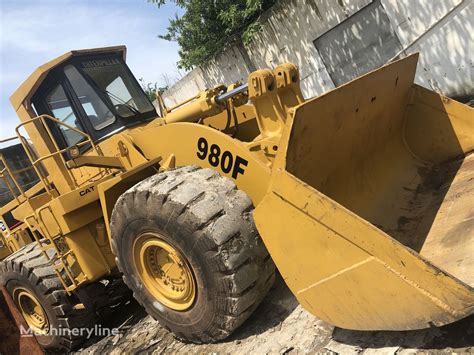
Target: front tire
[187,245]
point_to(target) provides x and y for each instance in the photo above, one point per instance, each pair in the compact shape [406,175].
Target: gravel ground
[280,325]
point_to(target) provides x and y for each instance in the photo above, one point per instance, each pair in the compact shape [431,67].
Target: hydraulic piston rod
[204,105]
[227,95]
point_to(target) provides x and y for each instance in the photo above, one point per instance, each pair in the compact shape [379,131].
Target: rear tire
[27,273]
[208,221]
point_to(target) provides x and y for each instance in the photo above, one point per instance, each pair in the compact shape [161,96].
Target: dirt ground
[280,325]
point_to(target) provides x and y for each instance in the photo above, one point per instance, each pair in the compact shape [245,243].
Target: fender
[110,190]
[195,144]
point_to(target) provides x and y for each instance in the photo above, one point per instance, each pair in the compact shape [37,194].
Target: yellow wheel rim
[164,271]
[32,311]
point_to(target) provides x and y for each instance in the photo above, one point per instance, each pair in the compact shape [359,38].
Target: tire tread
[221,221]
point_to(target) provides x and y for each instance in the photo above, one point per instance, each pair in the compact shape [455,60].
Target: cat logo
[86,191]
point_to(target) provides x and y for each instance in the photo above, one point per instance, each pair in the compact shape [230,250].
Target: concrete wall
[288,35]
[229,67]
[359,44]
[443,32]
[333,41]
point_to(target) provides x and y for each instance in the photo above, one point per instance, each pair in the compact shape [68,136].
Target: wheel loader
[362,198]
[17,175]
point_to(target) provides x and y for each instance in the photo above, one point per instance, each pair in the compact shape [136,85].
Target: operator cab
[96,94]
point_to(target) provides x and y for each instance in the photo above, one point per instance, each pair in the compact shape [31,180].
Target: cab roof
[29,86]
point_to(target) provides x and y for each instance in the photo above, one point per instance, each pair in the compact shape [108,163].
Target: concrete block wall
[228,67]
[334,41]
[443,32]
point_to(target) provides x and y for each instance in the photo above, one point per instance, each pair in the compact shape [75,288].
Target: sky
[33,32]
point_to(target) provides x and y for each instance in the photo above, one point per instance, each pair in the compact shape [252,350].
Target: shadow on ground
[274,309]
[278,325]
[456,335]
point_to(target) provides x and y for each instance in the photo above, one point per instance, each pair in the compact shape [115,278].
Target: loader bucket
[369,216]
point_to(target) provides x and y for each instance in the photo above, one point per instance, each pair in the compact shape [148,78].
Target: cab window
[98,114]
[61,108]
[112,78]
[96,94]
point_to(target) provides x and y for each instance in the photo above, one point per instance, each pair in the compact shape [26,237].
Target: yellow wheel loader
[362,198]
[14,180]
[16,176]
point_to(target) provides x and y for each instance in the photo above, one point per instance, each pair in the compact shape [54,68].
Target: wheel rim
[31,309]
[164,271]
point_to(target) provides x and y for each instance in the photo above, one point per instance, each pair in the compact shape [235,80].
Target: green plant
[151,89]
[208,26]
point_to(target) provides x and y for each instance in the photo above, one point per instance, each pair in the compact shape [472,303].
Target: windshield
[97,112]
[115,81]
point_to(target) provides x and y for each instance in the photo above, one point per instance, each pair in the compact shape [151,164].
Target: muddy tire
[28,276]
[208,221]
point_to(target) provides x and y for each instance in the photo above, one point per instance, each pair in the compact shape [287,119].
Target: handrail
[46,238]
[59,254]
[4,177]
[58,258]
[58,151]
